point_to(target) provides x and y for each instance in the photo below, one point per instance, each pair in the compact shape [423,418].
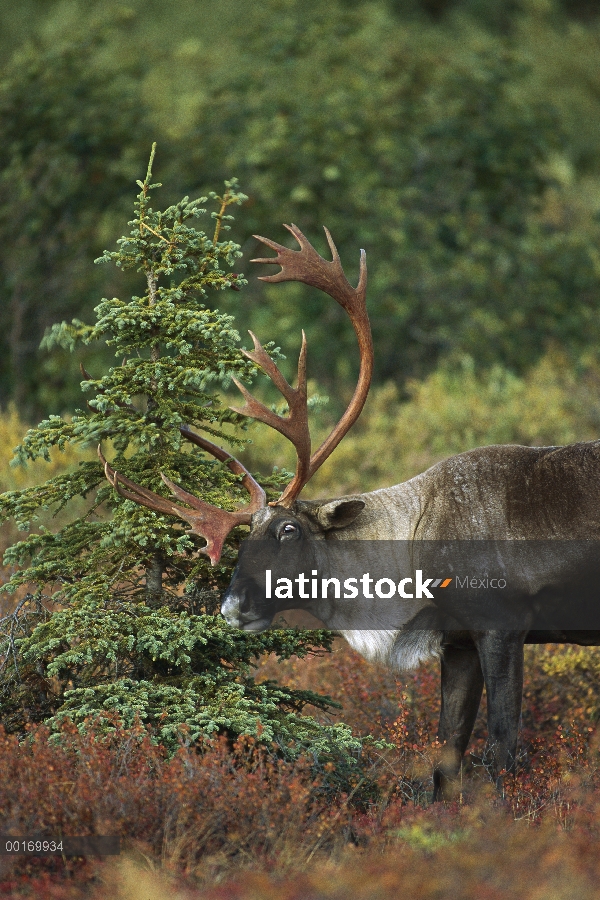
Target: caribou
[489,494]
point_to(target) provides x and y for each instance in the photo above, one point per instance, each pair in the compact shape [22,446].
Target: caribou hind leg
[501,656]
[462,686]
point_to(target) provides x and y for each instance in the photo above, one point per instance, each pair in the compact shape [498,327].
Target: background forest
[458,142]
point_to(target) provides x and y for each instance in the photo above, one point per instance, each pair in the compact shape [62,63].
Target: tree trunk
[154,574]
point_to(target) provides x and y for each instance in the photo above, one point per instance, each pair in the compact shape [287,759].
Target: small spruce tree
[120,615]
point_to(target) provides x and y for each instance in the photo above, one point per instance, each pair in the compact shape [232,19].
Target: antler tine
[258,498]
[307,266]
[261,358]
[132,491]
[294,426]
[206,520]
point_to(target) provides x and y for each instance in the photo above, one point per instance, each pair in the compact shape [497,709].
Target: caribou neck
[391,513]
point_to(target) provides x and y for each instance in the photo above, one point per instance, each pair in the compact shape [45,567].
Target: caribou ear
[339,513]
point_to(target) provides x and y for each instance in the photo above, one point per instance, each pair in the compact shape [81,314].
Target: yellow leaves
[14,478]
[450,411]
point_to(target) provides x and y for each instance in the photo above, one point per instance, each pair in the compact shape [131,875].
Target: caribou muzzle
[244,606]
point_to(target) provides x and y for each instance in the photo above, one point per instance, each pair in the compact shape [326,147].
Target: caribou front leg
[501,656]
[462,686]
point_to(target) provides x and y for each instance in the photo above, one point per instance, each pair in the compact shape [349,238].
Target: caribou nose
[230,610]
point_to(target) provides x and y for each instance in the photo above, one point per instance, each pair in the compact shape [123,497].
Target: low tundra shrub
[229,799]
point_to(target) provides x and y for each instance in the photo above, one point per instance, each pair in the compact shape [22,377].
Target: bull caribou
[496,493]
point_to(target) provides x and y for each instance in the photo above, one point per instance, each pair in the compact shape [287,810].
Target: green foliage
[73,127]
[118,614]
[434,148]
[456,141]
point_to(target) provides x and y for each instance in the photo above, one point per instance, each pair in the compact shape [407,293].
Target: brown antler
[294,426]
[307,266]
[208,521]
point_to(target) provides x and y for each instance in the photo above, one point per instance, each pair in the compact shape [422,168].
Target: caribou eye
[288,531]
